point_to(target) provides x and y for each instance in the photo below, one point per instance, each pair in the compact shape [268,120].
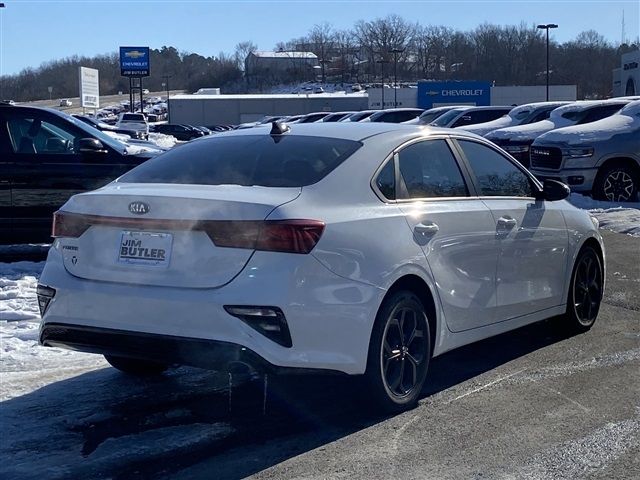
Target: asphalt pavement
[534,403]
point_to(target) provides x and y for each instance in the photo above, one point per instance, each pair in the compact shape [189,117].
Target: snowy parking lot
[532,403]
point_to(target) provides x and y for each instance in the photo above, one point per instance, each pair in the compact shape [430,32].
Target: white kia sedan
[365,249]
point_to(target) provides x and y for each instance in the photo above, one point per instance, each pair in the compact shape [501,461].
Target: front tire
[136,367]
[617,183]
[585,291]
[399,352]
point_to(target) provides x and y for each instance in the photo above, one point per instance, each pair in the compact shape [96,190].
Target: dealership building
[235,109]
[626,79]
[437,94]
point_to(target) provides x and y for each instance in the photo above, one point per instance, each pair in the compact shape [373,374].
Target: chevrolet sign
[134,61]
[432,94]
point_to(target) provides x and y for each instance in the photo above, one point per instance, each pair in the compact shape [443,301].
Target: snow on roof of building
[307,55]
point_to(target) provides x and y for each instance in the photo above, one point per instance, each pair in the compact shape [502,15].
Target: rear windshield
[285,161]
[133,117]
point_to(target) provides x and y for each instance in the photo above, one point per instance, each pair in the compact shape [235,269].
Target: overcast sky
[35,31]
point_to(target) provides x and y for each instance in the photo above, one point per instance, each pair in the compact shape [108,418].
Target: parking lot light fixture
[382,61]
[395,52]
[547,27]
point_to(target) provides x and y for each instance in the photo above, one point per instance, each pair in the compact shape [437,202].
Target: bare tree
[321,41]
[243,49]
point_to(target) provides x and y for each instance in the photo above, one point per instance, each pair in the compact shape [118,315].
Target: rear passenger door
[454,229]
[531,233]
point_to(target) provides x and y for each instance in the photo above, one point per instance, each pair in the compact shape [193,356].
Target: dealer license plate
[145,248]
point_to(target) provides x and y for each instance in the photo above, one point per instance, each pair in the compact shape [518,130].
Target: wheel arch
[417,285]
[596,245]
[620,160]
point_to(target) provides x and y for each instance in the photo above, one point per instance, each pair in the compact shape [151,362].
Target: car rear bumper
[329,318]
[166,349]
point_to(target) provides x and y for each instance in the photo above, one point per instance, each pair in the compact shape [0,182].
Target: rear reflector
[289,236]
[269,321]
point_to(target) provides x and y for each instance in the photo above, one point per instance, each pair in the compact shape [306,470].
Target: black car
[46,156]
[180,132]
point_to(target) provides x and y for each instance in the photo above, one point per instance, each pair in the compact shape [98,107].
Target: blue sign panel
[432,94]
[134,61]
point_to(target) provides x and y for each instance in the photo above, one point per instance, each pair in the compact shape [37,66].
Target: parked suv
[517,140]
[46,156]
[520,115]
[601,157]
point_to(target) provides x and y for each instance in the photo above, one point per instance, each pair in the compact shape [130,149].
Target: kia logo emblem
[139,208]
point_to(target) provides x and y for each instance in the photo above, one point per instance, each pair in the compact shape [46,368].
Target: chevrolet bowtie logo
[432,93]
[134,54]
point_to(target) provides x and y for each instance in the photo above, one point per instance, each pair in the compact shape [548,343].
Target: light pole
[382,61]
[1,47]
[166,84]
[395,52]
[547,27]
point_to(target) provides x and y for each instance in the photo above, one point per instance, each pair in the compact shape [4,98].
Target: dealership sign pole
[134,63]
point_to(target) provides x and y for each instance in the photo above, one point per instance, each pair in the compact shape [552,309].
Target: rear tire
[136,367]
[399,353]
[616,183]
[585,291]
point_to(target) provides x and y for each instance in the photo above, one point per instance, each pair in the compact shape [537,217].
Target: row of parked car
[592,146]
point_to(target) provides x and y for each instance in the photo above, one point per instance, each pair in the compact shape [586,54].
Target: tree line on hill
[505,55]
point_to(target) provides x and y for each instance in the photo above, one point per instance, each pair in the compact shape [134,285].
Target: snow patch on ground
[24,364]
[623,217]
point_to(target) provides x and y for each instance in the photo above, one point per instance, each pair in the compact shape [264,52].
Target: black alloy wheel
[399,352]
[618,183]
[586,291]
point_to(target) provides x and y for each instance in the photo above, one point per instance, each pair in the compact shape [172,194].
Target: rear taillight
[288,236]
[69,225]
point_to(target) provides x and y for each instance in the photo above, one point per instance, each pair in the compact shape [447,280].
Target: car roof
[349,131]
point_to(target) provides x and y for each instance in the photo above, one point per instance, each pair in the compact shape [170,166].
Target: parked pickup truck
[601,157]
[517,140]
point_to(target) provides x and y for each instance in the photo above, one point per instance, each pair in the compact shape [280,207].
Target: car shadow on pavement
[104,424]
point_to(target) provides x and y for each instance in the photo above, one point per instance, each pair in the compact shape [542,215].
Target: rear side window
[428,169]
[285,161]
[496,175]
[386,180]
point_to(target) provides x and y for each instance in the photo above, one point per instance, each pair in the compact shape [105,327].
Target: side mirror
[553,190]
[91,145]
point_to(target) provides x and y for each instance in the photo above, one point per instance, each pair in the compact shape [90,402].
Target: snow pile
[621,217]
[162,140]
[598,131]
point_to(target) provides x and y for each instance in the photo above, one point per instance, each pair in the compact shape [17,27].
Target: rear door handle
[507,222]
[426,229]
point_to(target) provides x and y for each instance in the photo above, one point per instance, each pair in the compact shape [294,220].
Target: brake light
[289,236]
[70,225]
[292,236]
